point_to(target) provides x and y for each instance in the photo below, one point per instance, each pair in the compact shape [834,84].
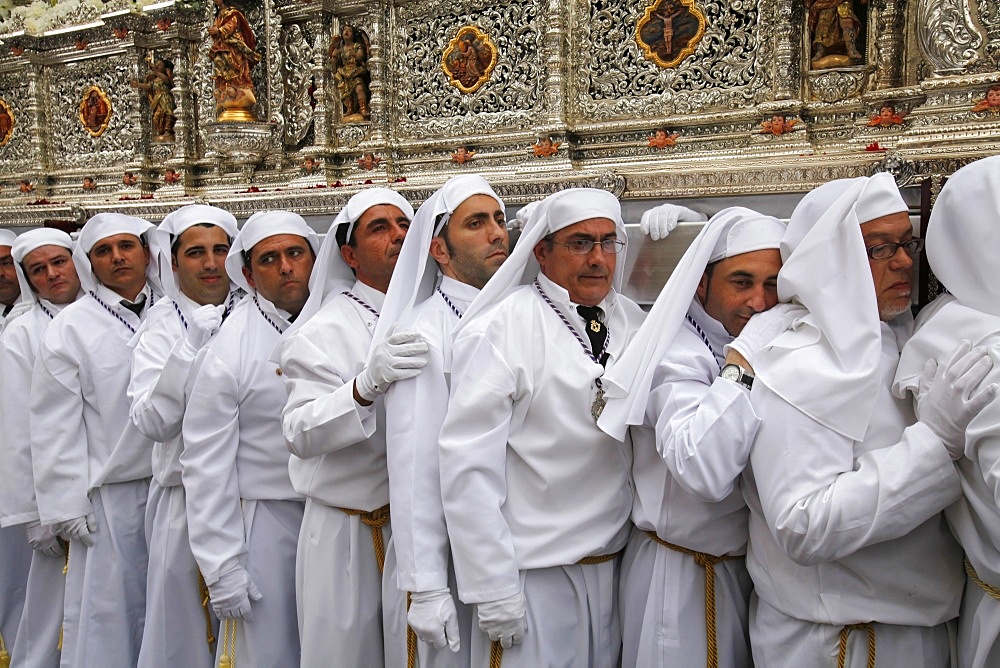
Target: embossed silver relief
[947,35]
[989,16]
[427,104]
[834,85]
[730,68]
[297,73]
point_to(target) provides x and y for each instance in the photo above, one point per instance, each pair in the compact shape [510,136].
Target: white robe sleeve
[17,493]
[822,505]
[58,436]
[703,431]
[415,410]
[156,392]
[211,432]
[982,445]
[473,451]
[321,415]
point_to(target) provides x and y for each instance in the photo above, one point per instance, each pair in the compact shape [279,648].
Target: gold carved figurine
[369,161]
[349,58]
[991,102]
[95,111]
[6,122]
[158,85]
[661,139]
[669,31]
[546,147]
[833,31]
[234,54]
[469,59]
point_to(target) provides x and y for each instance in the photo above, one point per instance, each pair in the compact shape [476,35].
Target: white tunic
[175,631]
[975,518]
[846,532]
[528,480]
[88,457]
[29,578]
[415,410]
[685,492]
[339,462]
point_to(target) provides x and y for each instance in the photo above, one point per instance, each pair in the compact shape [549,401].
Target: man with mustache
[336,367]
[243,512]
[537,497]
[189,250]
[91,465]
[45,270]
[457,241]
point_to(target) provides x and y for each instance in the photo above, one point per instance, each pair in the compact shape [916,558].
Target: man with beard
[243,513]
[457,241]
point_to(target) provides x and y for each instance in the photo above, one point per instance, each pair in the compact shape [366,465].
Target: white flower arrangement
[41,15]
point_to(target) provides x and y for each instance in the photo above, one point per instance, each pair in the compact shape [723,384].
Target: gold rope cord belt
[4,656]
[62,627]
[988,588]
[846,631]
[708,562]
[228,658]
[206,599]
[376,519]
[496,649]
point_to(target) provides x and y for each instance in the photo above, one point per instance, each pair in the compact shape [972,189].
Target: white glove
[399,356]
[232,593]
[433,618]
[202,325]
[661,220]
[951,394]
[505,620]
[43,538]
[762,328]
[78,528]
[521,217]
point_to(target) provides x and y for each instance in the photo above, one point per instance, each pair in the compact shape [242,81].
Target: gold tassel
[4,656]
[228,658]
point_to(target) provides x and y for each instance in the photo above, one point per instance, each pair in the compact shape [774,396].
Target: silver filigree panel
[18,154]
[425,103]
[70,145]
[730,67]
[296,70]
[947,35]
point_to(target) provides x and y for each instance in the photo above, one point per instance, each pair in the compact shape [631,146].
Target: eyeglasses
[886,251]
[584,246]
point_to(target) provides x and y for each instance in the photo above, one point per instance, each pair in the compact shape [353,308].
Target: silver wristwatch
[737,374]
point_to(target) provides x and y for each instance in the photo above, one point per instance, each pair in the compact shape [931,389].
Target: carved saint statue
[234,53]
[158,85]
[834,28]
[349,59]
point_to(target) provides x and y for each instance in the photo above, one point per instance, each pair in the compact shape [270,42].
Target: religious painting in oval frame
[469,59]
[669,31]
[95,110]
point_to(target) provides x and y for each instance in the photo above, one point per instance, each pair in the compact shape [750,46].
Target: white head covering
[331,275]
[730,232]
[416,273]
[826,270]
[7,237]
[963,235]
[175,224]
[105,225]
[258,227]
[555,212]
[30,241]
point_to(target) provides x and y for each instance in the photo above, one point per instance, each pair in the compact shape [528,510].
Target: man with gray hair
[849,549]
